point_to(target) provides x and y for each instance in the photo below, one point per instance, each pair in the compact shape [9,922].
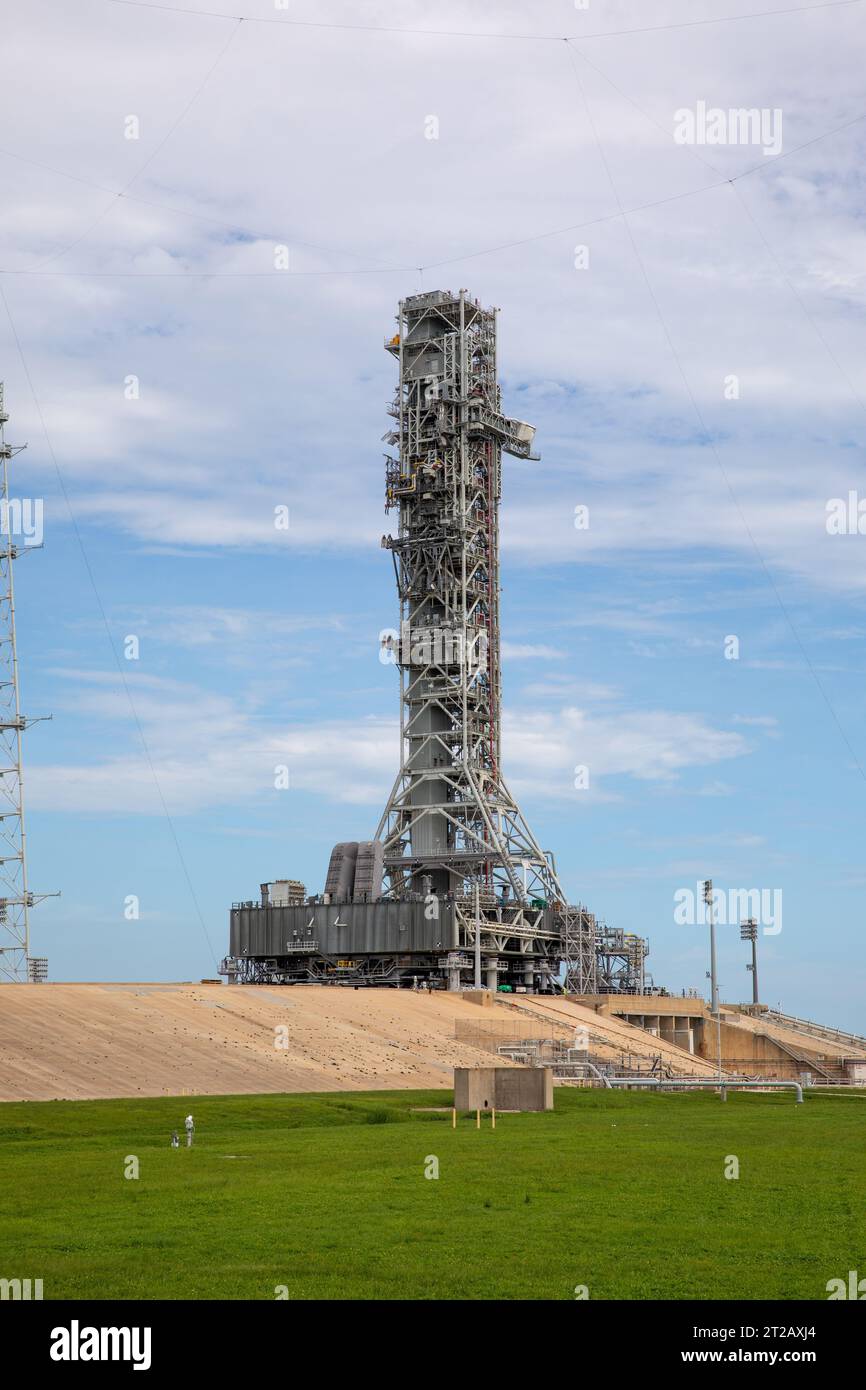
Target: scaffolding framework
[620,961]
[579,939]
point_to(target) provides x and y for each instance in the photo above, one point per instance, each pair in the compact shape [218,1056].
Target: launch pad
[453,889]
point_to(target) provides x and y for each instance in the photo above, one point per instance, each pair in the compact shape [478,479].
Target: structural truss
[15,897]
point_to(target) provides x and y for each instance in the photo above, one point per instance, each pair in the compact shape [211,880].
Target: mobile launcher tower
[454,887]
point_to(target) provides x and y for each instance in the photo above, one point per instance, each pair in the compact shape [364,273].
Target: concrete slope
[87,1041]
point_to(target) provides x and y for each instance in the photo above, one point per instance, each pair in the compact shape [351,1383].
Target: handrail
[807,1063]
[816,1030]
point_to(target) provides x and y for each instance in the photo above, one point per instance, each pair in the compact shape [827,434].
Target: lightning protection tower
[451,827]
[16,899]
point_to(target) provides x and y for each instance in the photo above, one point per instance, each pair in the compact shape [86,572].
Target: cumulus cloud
[545,748]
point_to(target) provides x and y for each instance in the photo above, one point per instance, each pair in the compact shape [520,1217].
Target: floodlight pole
[749,932]
[714,979]
[714,983]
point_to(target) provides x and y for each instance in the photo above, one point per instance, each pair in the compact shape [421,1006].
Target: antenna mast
[16,899]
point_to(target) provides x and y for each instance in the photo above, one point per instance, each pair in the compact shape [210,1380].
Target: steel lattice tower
[451,826]
[15,897]
[453,887]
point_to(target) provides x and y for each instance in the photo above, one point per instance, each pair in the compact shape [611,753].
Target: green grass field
[326,1195]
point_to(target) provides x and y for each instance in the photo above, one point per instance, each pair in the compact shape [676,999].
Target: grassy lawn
[326,1195]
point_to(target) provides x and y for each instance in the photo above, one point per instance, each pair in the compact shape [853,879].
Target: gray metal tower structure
[453,888]
[451,827]
[620,961]
[16,963]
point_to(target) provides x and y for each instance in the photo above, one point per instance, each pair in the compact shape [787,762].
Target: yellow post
[454,1117]
[477,1119]
[493,1117]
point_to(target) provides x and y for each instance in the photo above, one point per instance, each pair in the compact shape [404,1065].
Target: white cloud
[528,651]
[653,746]
[202,625]
[758,721]
[207,750]
[272,388]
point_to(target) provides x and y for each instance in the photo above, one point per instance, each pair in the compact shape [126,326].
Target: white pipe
[593,1068]
[715,1083]
[590,1066]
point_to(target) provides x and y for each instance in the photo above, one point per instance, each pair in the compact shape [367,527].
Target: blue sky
[259,388]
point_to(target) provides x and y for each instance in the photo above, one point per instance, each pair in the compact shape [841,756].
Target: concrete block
[503,1088]
[481,997]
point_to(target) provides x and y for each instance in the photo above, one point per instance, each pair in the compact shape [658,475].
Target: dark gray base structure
[390,942]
